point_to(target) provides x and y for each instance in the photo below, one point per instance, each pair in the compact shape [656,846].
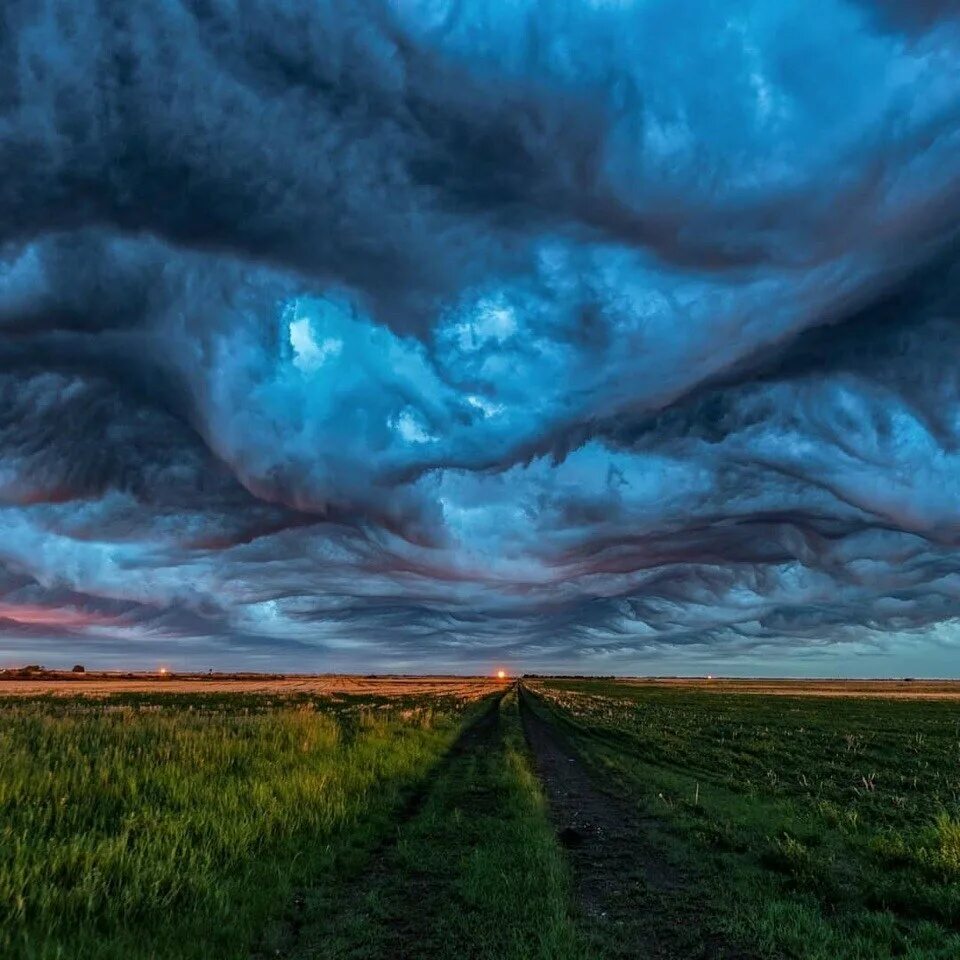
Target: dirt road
[634,901]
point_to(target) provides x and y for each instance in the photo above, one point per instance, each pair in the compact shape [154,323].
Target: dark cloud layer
[601,334]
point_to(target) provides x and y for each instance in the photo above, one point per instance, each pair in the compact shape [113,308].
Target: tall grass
[142,830]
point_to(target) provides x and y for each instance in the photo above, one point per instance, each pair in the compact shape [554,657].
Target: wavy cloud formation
[588,334]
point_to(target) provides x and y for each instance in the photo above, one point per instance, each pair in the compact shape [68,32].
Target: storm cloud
[600,335]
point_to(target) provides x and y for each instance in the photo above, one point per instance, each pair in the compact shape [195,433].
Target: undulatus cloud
[575,335]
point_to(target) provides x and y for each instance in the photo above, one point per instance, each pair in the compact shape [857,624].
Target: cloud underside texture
[442,333]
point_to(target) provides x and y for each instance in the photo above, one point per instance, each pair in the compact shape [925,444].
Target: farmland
[815,826]
[254,817]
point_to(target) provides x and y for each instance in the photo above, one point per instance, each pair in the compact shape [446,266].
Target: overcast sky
[600,336]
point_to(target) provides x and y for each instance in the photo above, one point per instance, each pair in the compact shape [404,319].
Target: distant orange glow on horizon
[501,674]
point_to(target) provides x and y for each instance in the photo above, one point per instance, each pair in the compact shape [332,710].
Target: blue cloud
[575,333]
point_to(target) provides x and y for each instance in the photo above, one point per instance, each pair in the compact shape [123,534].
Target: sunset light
[348,345]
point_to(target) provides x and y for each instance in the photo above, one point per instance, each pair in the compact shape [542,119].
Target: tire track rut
[634,903]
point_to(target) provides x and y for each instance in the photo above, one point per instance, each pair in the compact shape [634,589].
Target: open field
[178,825]
[816,827]
[106,684]
[347,817]
[883,689]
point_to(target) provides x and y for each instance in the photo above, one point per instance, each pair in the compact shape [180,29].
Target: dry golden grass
[104,684]
[895,689]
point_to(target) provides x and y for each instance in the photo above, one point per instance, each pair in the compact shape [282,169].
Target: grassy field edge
[476,873]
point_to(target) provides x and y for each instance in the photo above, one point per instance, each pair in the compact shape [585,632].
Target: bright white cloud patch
[410,427]
[309,355]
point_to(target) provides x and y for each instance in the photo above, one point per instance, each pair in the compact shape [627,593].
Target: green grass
[175,826]
[823,828]
[241,827]
[475,872]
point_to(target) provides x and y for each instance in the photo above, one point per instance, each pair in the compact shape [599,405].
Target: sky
[600,336]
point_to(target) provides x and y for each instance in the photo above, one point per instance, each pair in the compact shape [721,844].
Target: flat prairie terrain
[106,684]
[883,689]
[249,817]
[815,825]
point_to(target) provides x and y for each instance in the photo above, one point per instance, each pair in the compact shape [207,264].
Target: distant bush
[79,668]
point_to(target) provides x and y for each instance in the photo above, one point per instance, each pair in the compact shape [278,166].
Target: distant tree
[79,668]
[33,668]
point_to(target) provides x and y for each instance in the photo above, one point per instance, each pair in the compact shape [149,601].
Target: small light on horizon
[163,671]
[501,674]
